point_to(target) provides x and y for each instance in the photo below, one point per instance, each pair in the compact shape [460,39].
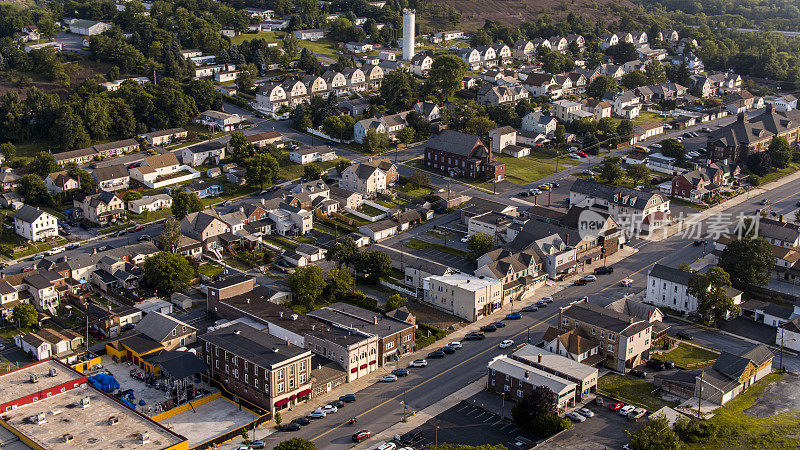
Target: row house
[500,95]
[539,84]
[471,56]
[668,287]
[388,125]
[519,272]
[58,182]
[568,111]
[640,211]
[488,56]
[558,43]
[112,178]
[101,209]
[598,108]
[502,53]
[524,50]
[537,122]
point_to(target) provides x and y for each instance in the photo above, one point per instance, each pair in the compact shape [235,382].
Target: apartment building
[584,376]
[259,367]
[34,224]
[624,340]
[669,287]
[466,296]
[516,379]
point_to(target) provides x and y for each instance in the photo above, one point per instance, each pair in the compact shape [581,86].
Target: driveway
[607,429]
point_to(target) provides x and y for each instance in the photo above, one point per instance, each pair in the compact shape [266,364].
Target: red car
[137,228]
[27,269]
[579,283]
[582,154]
[361,435]
[616,406]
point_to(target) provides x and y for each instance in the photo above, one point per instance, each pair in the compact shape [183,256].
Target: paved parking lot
[208,421]
[466,424]
[606,430]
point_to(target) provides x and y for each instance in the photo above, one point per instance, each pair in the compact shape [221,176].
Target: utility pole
[700,395]
[780,360]
[437,435]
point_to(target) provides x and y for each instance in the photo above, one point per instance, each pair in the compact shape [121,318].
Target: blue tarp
[103,382]
[127,403]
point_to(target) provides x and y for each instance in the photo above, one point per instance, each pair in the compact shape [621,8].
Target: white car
[589,278]
[586,412]
[387,446]
[465,239]
[54,251]
[626,282]
[546,300]
[316,414]
[389,378]
[627,409]
[418,363]
[534,192]
[454,344]
[574,156]
[507,343]
[329,409]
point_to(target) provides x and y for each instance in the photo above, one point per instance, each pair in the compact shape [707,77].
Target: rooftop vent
[85,402]
[67,437]
[39,419]
[237,332]
[53,372]
[113,420]
[34,378]
[295,316]
[527,374]
[144,438]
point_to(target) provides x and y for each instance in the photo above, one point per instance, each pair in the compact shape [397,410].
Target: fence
[186,407]
[327,137]
[398,288]
[365,216]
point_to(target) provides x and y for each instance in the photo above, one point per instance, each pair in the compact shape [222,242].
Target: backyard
[688,356]
[419,244]
[632,390]
[531,168]
[289,170]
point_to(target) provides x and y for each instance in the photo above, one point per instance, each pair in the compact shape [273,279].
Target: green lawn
[269,36]
[324,47]
[632,390]
[419,192]
[529,169]
[38,247]
[370,210]
[688,356]
[772,176]
[740,430]
[397,203]
[150,216]
[209,270]
[419,244]
[290,170]
[648,117]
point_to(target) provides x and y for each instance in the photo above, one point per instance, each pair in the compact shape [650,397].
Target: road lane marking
[413,388]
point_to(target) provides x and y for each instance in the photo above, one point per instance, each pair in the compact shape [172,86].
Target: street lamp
[437,435]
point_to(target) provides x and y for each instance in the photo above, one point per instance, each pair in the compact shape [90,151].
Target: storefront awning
[281,402]
[304,392]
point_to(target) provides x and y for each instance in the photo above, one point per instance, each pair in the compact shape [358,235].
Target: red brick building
[462,155]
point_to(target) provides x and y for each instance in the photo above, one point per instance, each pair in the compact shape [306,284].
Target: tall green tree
[637,172]
[69,130]
[339,282]
[748,262]
[780,152]
[343,252]
[42,164]
[185,203]
[8,150]
[170,237]
[261,168]
[240,148]
[399,90]
[713,301]
[610,170]
[655,435]
[312,172]
[25,315]
[479,244]
[601,85]
[446,75]
[33,189]
[85,180]
[167,273]
[307,284]
[373,264]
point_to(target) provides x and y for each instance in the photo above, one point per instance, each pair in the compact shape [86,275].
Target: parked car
[637,414]
[586,412]
[27,269]
[604,270]
[302,421]
[669,365]
[475,336]
[627,409]
[499,324]
[684,336]
[765,202]
[418,363]
[575,417]
[638,373]
[513,316]
[74,245]
[127,327]
[488,328]
[546,300]
[288,427]
[534,191]
[400,372]
[616,406]
[389,378]
[316,414]
[544,187]
[599,401]
[579,282]
[257,444]
[330,409]
[530,308]
[554,185]
[361,435]
[656,364]
[448,350]
[455,344]
[436,354]
[387,446]
[137,228]
[465,239]
[339,404]
[144,237]
[507,343]
[589,278]
[348,398]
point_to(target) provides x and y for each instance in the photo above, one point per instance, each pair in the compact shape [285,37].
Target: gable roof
[162,160]
[598,190]
[457,143]
[28,214]
[159,326]
[110,172]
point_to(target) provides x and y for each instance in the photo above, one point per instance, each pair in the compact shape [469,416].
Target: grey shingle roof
[158,326]
[110,172]
[672,274]
[256,346]
[28,213]
[606,192]
[456,142]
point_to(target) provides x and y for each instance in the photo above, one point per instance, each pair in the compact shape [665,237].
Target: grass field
[529,169]
[324,47]
[689,356]
[269,36]
[419,244]
[290,170]
[419,192]
[632,390]
[209,270]
[740,430]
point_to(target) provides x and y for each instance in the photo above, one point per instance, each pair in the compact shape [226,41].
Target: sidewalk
[716,209]
[426,414]
[301,410]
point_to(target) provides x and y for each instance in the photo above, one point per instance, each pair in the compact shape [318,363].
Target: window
[302,366]
[245,378]
[227,369]
[593,330]
[280,375]
[302,378]
[255,382]
[519,393]
[610,336]
[610,348]
[216,364]
[291,383]
[280,387]
[174,332]
[507,388]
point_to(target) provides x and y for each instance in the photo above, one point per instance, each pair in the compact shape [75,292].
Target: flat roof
[555,361]
[465,281]
[89,426]
[536,377]
[17,384]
